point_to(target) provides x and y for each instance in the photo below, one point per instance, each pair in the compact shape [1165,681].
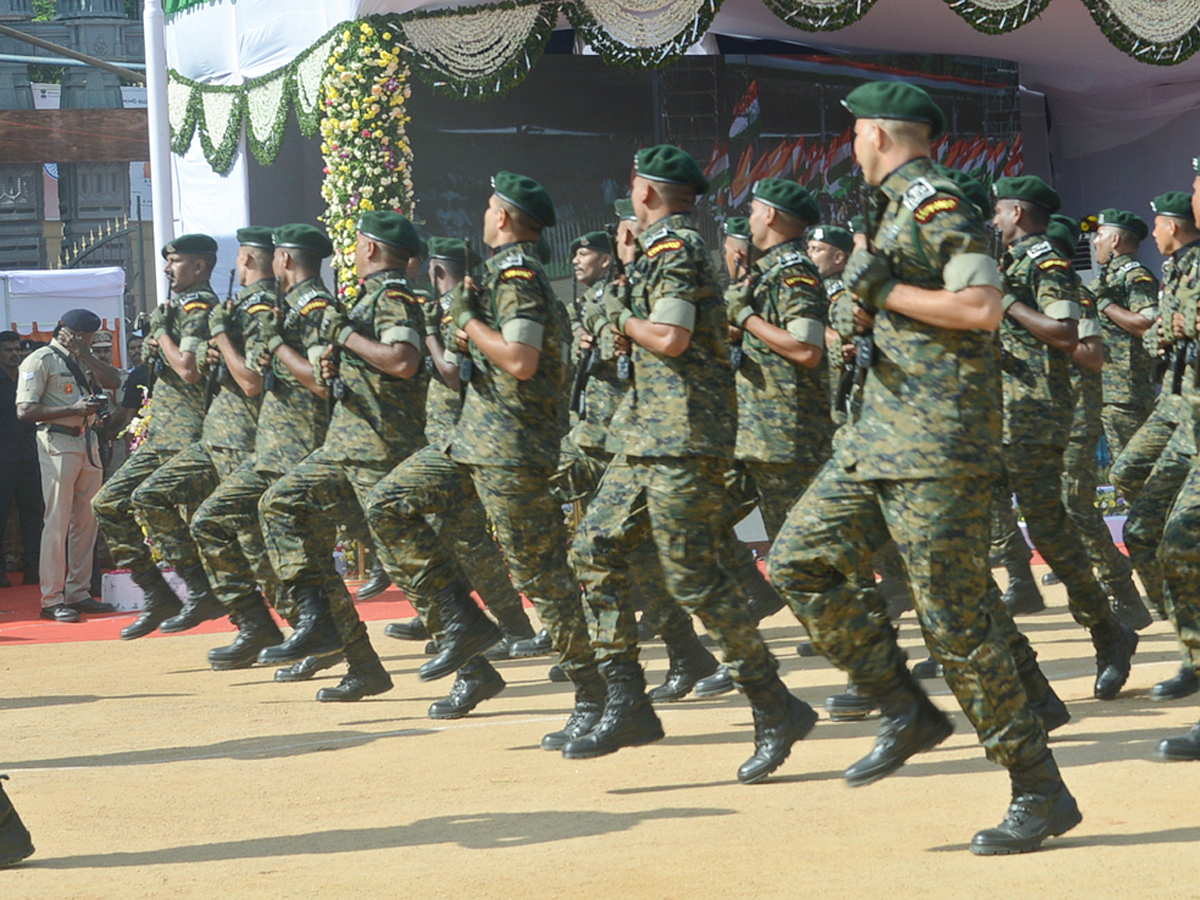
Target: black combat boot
[779,721]
[514,626]
[15,843]
[467,633]
[1022,596]
[806,649]
[928,668]
[628,719]
[716,684]
[648,625]
[377,582]
[1051,578]
[851,706]
[589,706]
[911,724]
[159,604]
[1115,644]
[1184,684]
[315,634]
[1041,807]
[557,675]
[256,631]
[538,645]
[408,630]
[1127,603]
[761,598]
[477,681]
[199,606]
[689,662]
[366,677]
[1180,748]
[308,667]
[1042,699]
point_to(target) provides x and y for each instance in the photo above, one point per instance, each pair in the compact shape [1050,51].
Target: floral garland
[641,34]
[1158,32]
[998,16]
[368,160]
[820,15]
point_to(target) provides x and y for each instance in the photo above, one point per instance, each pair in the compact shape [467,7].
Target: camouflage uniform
[917,466]
[841,374]
[442,402]
[176,416]
[1038,416]
[1128,388]
[291,424]
[1178,557]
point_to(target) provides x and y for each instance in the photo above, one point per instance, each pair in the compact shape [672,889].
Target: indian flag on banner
[1016,158]
[717,171]
[840,161]
[745,115]
[739,189]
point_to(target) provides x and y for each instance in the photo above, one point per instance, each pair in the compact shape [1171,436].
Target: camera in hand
[99,400]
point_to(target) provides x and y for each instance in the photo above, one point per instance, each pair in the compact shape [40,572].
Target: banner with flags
[745,116]
[717,171]
[739,188]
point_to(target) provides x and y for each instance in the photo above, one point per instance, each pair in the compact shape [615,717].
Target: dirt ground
[142,773]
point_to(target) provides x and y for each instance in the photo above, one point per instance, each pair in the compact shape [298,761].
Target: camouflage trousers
[114,510]
[1179,559]
[1079,498]
[682,505]
[1131,467]
[1034,473]
[1007,544]
[775,488]
[422,512]
[941,529]
[1121,422]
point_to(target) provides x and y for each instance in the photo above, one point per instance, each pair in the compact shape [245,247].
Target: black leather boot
[928,668]
[256,631]
[1115,644]
[628,719]
[761,598]
[308,667]
[366,677]
[716,684]
[779,721]
[467,633]
[589,706]
[557,675]
[1184,684]
[408,630]
[851,706]
[1022,596]
[1127,604]
[514,626]
[538,645]
[1041,807]
[648,626]
[159,604]
[894,592]
[1180,748]
[315,634]
[911,724]
[690,662]
[377,582]
[15,843]
[1051,578]
[477,681]
[199,606]
[806,649]
[1042,699]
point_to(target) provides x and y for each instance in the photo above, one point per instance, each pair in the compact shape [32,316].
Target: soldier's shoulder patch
[1142,277]
[402,296]
[1053,262]
[194,305]
[933,207]
[799,278]
[520,273]
[256,308]
[664,245]
[313,305]
[918,192]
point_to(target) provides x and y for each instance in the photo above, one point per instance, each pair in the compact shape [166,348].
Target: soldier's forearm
[975,308]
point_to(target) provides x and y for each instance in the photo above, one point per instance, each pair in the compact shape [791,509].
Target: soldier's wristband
[274,343]
[217,327]
[742,315]
[344,335]
[463,317]
[1103,303]
[624,317]
[1009,300]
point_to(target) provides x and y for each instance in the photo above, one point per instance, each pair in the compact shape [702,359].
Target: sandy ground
[141,773]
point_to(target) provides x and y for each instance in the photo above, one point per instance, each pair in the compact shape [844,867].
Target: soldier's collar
[308,285]
[898,181]
[377,278]
[263,284]
[195,290]
[1186,247]
[785,251]
[655,230]
[1021,246]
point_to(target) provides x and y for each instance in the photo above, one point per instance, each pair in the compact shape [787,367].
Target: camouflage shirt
[783,408]
[1128,368]
[177,413]
[292,421]
[1087,387]
[442,402]
[232,418]
[1037,377]
[929,403]
[605,389]
[506,421]
[684,405]
[841,320]
[381,418]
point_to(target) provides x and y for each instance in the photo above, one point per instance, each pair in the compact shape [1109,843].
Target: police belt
[71,430]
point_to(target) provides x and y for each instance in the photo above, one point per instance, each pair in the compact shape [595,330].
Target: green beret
[1029,188]
[670,164]
[304,237]
[833,236]
[789,197]
[858,225]
[256,236]
[198,244]
[1063,231]
[545,251]
[624,209]
[454,249]
[526,195]
[390,228]
[737,227]
[423,248]
[896,100]
[1121,218]
[593,240]
[972,188]
[1173,203]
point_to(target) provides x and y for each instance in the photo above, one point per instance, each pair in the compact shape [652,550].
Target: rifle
[270,382]
[736,354]
[864,344]
[219,375]
[624,363]
[583,371]
[466,365]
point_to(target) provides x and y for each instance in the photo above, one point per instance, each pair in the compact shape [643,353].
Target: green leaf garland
[1176,43]
[997,16]
[820,15]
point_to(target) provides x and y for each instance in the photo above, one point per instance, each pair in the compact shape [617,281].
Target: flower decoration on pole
[368,159]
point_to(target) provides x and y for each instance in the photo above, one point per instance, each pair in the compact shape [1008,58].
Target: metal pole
[107,66]
[141,257]
[160,135]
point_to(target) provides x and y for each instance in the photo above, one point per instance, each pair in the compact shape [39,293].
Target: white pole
[153,28]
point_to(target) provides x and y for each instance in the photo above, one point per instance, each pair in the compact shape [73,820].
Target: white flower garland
[1157,21]
[473,46]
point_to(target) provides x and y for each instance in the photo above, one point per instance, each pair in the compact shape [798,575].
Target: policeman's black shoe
[1180,748]
[928,668]
[538,645]
[762,598]
[780,720]
[59,612]
[720,682]
[1052,711]
[589,706]
[689,662]
[467,634]
[1022,596]
[515,626]
[1184,684]
[1115,643]
[256,631]
[1041,807]
[1127,604]
[1051,578]
[851,706]
[377,582]
[91,607]
[557,675]
[409,630]
[308,667]
[160,604]
[477,681]
[910,725]
[628,719]
[15,843]
[366,678]
[316,633]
